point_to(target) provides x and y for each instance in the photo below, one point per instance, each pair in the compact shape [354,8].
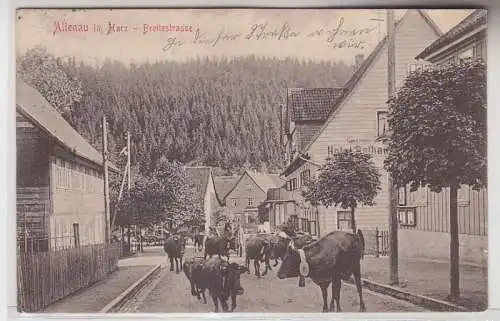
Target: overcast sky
[224,32]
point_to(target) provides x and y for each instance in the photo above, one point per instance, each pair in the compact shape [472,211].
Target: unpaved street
[265,294]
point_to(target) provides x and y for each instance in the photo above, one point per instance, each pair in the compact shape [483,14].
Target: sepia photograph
[251,160]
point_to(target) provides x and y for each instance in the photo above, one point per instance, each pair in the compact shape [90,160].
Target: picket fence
[45,277]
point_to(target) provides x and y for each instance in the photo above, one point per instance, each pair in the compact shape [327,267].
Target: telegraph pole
[128,159]
[107,233]
[393,201]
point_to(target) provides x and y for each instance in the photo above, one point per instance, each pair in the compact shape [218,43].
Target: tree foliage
[52,78]
[166,196]
[214,112]
[437,121]
[348,179]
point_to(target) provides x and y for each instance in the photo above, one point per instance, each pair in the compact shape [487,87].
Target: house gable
[246,188]
[355,120]
[414,39]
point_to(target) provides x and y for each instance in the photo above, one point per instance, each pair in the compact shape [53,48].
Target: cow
[279,244]
[192,269]
[330,259]
[219,245]
[258,248]
[222,279]
[174,247]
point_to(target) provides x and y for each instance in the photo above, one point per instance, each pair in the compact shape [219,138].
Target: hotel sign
[359,145]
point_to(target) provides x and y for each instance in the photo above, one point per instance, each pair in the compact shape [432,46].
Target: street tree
[437,125]
[179,204]
[347,179]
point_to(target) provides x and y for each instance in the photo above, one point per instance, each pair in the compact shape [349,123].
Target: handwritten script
[336,37]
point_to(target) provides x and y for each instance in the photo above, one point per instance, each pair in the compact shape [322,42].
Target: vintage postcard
[251,160]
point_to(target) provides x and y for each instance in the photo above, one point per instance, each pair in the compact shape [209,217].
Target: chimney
[358,60]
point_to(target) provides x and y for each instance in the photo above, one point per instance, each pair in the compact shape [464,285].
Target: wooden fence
[376,242]
[45,277]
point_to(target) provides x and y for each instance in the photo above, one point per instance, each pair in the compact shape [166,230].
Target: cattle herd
[325,261]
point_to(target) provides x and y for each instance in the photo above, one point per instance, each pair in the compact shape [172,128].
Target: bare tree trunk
[454,245]
[353,220]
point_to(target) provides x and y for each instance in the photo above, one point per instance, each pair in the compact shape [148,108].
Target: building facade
[60,185]
[424,217]
[281,206]
[203,184]
[243,200]
[356,118]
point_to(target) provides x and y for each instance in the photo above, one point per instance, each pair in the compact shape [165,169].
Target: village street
[266,294]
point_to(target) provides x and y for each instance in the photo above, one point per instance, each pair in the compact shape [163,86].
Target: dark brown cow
[258,249]
[335,256]
[192,269]
[279,244]
[174,247]
[222,279]
[219,245]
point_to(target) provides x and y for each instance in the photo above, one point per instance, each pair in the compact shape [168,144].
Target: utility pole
[107,233]
[393,201]
[128,159]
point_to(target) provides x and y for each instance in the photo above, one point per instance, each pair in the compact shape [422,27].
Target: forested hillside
[215,112]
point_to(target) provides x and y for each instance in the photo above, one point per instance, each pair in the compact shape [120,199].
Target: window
[479,51]
[295,221]
[344,220]
[402,196]
[466,54]
[250,202]
[305,175]
[381,123]
[235,202]
[406,216]
[463,196]
[76,234]
[421,196]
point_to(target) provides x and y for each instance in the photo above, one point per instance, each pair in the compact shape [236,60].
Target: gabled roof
[266,181]
[308,104]
[223,185]
[200,177]
[471,22]
[357,76]
[32,105]
[263,181]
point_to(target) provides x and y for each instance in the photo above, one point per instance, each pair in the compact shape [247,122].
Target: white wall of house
[355,121]
[208,202]
[77,193]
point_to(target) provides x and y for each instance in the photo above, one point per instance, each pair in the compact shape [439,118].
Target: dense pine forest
[210,111]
